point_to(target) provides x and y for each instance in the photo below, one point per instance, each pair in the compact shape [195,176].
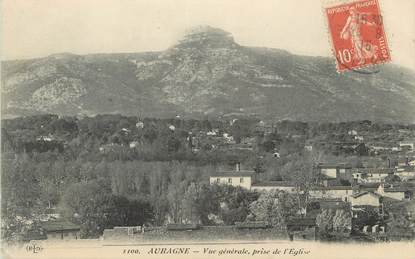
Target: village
[287,180]
[370,190]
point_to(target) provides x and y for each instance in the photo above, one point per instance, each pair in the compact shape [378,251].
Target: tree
[20,193]
[173,144]
[206,204]
[125,212]
[189,204]
[342,221]
[93,206]
[324,221]
[392,179]
[330,222]
[230,216]
[175,196]
[274,207]
[400,222]
[226,203]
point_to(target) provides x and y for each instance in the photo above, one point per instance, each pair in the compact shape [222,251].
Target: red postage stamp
[357,34]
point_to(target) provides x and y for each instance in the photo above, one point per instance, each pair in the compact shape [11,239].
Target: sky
[36,28]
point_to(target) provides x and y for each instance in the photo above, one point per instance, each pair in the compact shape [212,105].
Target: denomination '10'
[345,56]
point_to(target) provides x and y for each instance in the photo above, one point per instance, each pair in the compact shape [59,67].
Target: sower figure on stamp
[352,30]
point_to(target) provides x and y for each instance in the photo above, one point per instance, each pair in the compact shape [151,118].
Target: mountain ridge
[206,74]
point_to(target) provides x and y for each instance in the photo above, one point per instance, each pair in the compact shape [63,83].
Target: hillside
[206,74]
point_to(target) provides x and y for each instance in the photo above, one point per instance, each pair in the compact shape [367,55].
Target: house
[34,234]
[242,178]
[358,138]
[360,149]
[383,148]
[338,171]
[327,170]
[122,232]
[308,147]
[376,175]
[405,173]
[397,193]
[359,176]
[405,161]
[61,230]
[250,141]
[327,203]
[111,147]
[241,146]
[366,199]
[139,125]
[50,214]
[211,133]
[277,155]
[274,186]
[45,138]
[302,228]
[134,144]
[252,225]
[396,149]
[182,227]
[352,132]
[125,130]
[331,192]
[371,175]
[333,175]
[407,145]
[228,138]
[248,180]
[315,206]
[328,181]
[355,148]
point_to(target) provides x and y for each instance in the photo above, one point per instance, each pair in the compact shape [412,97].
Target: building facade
[366,199]
[61,230]
[332,192]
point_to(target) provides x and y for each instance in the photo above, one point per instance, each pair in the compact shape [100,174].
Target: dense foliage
[115,170]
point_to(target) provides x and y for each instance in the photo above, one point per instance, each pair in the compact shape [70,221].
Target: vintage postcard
[208,129]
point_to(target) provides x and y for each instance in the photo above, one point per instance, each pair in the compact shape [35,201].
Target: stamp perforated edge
[330,3]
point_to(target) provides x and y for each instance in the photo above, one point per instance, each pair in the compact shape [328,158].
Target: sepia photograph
[207,128]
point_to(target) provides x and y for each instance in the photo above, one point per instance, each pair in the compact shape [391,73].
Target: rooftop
[274,183]
[365,193]
[399,189]
[329,204]
[301,222]
[58,225]
[376,170]
[338,187]
[326,177]
[244,173]
[409,141]
[328,166]
[326,200]
[408,168]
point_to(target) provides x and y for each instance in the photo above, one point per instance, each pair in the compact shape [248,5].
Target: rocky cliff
[207,74]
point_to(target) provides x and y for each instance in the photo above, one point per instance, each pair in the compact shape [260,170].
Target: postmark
[357,34]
